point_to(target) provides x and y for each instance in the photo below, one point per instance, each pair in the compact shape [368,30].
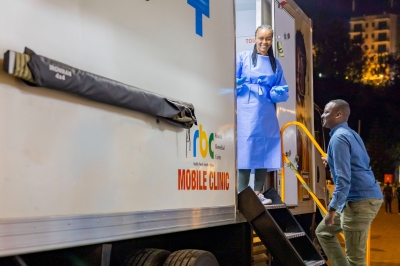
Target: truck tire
[147,257]
[191,257]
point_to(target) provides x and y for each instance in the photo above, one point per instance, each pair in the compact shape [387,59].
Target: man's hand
[324,161]
[330,218]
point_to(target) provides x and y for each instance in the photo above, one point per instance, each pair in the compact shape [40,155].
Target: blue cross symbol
[202,7]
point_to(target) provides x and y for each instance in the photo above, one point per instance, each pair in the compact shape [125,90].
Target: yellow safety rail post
[285,159]
[368,251]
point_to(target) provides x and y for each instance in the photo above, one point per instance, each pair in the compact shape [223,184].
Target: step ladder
[278,230]
[260,254]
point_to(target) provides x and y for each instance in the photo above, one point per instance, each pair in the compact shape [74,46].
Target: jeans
[259,179]
[388,205]
[354,222]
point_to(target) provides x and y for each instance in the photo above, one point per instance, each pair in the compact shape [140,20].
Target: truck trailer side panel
[77,172]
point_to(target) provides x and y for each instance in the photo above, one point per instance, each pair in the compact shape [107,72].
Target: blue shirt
[349,164]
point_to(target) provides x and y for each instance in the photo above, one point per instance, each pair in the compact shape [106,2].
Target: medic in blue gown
[260,84]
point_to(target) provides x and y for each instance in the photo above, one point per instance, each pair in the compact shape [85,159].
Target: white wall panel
[65,155]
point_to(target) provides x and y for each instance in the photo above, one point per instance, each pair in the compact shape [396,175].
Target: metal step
[275,206]
[260,249]
[293,235]
[264,263]
[260,258]
[278,230]
[257,241]
[314,262]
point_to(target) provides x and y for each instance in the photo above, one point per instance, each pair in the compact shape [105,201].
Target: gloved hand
[262,81]
[279,93]
[240,81]
[281,89]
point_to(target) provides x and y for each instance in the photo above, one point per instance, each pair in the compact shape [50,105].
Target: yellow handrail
[283,154]
[304,183]
[286,159]
[368,255]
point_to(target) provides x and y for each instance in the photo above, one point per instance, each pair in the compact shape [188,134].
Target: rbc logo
[204,143]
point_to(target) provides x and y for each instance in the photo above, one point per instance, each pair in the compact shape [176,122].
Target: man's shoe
[264,200]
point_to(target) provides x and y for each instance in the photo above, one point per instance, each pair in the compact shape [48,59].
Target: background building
[379,35]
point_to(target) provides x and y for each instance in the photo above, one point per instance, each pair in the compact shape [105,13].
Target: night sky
[342,9]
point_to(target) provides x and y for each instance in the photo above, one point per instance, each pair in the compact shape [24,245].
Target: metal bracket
[106,254]
[20,261]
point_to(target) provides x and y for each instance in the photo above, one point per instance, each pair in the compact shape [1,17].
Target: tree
[358,62]
[393,62]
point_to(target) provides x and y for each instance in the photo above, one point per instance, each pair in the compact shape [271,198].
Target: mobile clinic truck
[88,177]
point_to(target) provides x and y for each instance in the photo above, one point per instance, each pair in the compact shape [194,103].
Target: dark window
[381,48]
[373,35]
[382,37]
[372,47]
[358,38]
[357,27]
[382,25]
[373,24]
[366,25]
[381,59]
[366,36]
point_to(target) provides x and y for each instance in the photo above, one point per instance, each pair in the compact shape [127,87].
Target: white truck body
[76,172]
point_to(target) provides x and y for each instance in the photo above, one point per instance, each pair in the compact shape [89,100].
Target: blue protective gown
[258,145]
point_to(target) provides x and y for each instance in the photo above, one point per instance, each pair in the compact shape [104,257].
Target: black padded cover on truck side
[44,72]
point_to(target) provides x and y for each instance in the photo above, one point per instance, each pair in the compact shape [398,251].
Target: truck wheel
[191,257]
[173,257]
[147,257]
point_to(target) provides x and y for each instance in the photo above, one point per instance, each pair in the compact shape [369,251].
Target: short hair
[342,105]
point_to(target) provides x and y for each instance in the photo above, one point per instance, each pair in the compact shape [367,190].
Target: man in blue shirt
[357,196]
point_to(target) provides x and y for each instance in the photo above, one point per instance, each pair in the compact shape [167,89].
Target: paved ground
[385,238]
